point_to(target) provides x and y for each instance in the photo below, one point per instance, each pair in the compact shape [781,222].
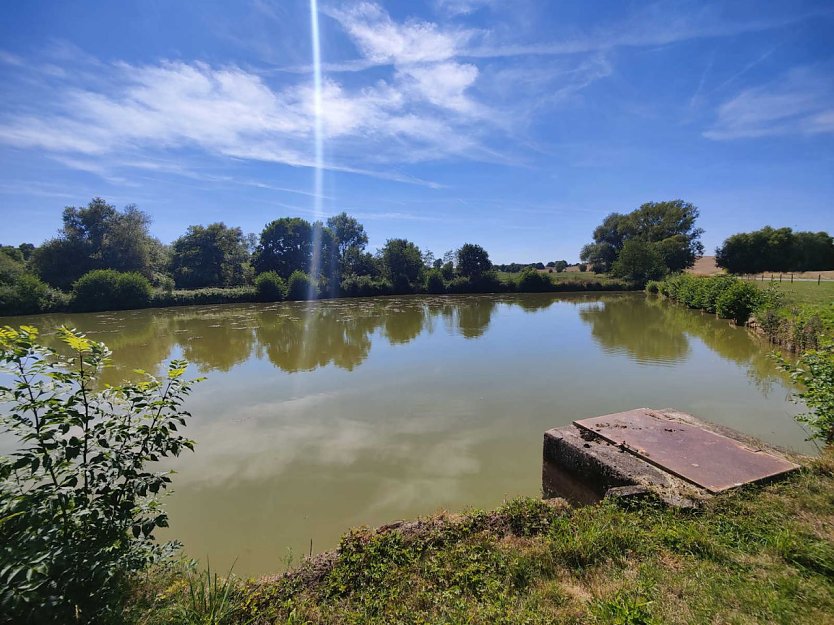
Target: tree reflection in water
[341,332]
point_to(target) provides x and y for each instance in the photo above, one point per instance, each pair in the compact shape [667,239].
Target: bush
[712,288]
[583,267]
[300,286]
[107,289]
[215,295]
[434,282]
[364,286]
[531,281]
[738,302]
[460,285]
[270,287]
[653,286]
[815,374]
[28,295]
[77,504]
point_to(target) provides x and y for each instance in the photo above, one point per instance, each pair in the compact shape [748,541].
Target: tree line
[776,249]
[661,238]
[103,257]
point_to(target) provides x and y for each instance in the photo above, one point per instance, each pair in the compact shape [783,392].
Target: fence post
[819,277]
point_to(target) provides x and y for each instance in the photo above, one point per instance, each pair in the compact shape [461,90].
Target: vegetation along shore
[81,501]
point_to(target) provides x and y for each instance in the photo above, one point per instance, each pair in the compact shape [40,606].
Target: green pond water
[319,417]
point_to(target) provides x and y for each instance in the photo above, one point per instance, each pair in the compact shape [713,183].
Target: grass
[803,292]
[582,279]
[763,554]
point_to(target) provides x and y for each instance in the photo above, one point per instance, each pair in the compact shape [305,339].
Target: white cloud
[799,103]
[462,7]
[381,40]
[101,117]
[445,84]
[232,112]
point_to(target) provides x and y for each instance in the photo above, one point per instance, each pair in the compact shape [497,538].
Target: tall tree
[348,233]
[669,225]
[402,263]
[639,262]
[473,261]
[213,255]
[285,245]
[98,236]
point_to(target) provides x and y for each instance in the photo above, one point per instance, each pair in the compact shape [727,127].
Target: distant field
[705,266]
[803,292]
[565,276]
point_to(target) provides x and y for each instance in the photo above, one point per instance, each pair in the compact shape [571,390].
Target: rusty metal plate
[706,459]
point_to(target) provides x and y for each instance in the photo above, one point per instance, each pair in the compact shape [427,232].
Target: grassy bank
[796,316]
[764,554]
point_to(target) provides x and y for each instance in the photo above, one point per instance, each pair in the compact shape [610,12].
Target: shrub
[77,503]
[460,285]
[270,287]
[434,282]
[815,373]
[107,289]
[215,295]
[300,286]
[653,286]
[364,286]
[29,295]
[738,302]
[712,289]
[583,267]
[531,281]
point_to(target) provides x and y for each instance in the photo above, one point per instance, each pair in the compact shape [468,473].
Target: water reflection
[341,332]
[217,338]
[646,333]
[652,331]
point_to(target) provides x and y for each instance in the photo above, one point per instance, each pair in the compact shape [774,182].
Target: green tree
[776,249]
[285,246]
[402,263]
[11,266]
[560,265]
[358,263]
[669,225]
[639,262]
[348,233]
[78,504]
[99,236]
[213,255]
[472,261]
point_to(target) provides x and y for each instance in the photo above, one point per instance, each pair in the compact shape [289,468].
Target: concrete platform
[674,456]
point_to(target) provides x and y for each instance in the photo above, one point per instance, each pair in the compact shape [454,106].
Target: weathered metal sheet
[706,459]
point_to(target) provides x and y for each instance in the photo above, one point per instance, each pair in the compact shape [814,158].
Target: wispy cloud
[799,103]
[385,42]
[232,112]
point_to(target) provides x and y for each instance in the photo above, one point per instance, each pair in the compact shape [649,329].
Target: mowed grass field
[803,292]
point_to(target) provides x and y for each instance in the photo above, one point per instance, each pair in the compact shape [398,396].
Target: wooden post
[819,277]
[780,277]
[791,278]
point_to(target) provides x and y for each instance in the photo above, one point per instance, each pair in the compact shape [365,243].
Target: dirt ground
[705,266]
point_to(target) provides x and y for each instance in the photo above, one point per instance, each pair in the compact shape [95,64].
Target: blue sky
[517,125]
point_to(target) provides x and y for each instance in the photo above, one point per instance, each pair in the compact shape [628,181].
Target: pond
[322,416]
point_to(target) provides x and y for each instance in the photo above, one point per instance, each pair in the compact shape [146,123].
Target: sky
[516,125]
